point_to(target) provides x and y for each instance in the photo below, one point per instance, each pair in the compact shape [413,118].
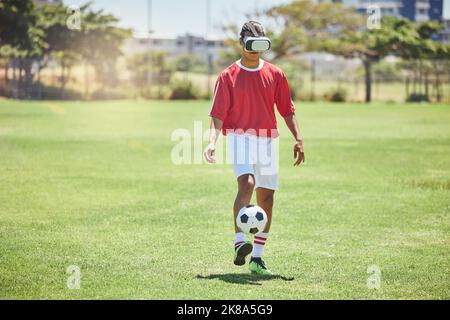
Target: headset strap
[255,33]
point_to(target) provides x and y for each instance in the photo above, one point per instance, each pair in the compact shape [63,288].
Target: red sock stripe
[260,238]
[258,242]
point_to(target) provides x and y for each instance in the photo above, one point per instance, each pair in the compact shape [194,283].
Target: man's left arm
[287,110]
[299,153]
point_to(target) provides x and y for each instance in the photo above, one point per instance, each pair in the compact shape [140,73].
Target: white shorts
[257,156]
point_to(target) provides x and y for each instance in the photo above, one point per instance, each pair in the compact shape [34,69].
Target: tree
[161,69]
[21,37]
[310,26]
[427,57]
[17,21]
[97,43]
[330,27]
[32,36]
[306,26]
[190,63]
[101,43]
[62,43]
[372,45]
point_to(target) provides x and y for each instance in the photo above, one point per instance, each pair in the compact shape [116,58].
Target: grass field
[92,185]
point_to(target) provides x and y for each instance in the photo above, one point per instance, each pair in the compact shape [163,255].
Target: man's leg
[264,198]
[266,179]
[246,184]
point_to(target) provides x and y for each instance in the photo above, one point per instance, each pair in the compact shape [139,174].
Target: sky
[177,17]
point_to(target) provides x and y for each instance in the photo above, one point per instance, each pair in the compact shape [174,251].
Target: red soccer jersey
[244,99]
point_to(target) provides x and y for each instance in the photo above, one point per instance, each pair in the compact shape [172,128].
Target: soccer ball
[251,219]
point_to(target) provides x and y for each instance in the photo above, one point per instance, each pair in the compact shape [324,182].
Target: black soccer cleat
[241,251]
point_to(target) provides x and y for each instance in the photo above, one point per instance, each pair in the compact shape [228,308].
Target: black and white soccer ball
[251,219]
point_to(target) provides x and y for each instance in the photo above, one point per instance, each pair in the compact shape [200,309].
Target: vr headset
[256,43]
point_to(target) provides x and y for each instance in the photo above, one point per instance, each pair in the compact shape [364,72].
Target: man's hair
[248,26]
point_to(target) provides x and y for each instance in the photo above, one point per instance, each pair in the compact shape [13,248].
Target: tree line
[308,26]
[33,35]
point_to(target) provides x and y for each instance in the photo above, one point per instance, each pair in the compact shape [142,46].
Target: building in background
[172,45]
[415,10]
[175,45]
[387,7]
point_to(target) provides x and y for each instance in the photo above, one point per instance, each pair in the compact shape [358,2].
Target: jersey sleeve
[222,99]
[283,99]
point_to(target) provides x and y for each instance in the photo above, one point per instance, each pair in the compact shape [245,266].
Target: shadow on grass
[243,278]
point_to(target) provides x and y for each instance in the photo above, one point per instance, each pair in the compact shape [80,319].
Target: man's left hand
[299,153]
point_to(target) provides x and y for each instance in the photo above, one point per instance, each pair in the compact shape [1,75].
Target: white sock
[239,238]
[258,244]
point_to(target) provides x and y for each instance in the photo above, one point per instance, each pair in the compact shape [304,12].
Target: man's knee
[246,183]
[266,196]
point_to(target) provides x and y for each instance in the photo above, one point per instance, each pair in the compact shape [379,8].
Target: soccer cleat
[257,266]
[241,251]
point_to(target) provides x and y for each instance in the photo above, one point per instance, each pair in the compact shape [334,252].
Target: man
[243,108]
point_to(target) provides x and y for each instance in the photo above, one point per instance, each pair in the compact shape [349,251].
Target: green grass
[92,185]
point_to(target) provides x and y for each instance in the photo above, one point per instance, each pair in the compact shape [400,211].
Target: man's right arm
[220,107]
[214,132]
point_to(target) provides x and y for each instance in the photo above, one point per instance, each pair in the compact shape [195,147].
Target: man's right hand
[210,153]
